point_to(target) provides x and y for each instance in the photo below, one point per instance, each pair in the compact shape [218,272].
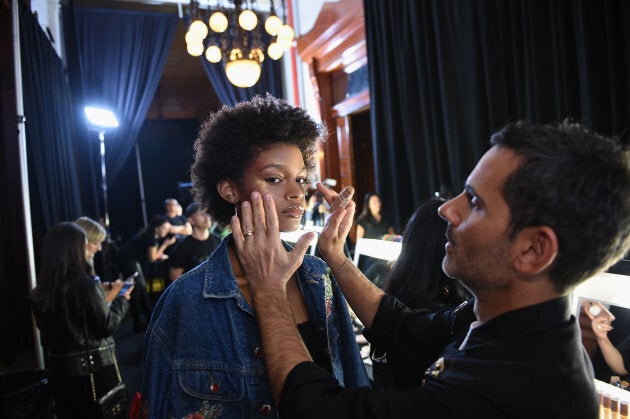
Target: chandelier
[230,33]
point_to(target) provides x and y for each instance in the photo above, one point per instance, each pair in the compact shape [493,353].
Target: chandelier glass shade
[231,33]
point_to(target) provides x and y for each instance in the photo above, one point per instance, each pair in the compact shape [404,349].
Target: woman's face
[280,172]
[162,230]
[374,204]
[92,248]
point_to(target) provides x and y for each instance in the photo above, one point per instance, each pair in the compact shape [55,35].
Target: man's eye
[474,202]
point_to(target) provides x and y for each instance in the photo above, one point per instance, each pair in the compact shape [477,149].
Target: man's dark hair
[577,183]
[191,209]
[230,139]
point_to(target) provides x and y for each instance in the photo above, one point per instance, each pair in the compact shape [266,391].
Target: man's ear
[537,249]
[228,191]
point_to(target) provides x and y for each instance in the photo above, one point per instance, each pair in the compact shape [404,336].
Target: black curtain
[445,74]
[270,81]
[50,137]
[121,54]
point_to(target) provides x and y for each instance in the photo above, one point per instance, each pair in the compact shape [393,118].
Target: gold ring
[248,233]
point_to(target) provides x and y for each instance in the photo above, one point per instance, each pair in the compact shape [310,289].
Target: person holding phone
[69,302]
[612,354]
[203,348]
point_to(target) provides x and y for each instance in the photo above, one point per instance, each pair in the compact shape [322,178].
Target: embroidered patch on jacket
[328,295]
[434,370]
[207,411]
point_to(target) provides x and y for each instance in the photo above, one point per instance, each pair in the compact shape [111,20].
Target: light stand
[101,137]
[100,119]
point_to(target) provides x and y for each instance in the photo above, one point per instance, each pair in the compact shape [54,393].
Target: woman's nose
[296,191]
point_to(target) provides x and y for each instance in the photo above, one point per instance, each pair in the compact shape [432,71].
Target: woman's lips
[294,211]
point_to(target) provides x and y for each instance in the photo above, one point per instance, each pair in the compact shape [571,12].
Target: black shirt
[190,252]
[528,363]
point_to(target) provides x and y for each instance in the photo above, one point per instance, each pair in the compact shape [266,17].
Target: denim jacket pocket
[212,383]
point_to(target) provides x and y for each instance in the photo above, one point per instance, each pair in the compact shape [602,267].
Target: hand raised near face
[265,261]
[333,237]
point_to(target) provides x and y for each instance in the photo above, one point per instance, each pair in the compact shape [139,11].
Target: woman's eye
[273,179]
[302,180]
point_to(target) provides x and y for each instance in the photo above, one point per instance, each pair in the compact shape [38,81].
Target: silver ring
[248,233]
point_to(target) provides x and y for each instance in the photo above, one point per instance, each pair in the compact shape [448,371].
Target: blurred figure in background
[179,223]
[96,235]
[372,223]
[193,249]
[143,248]
[68,302]
[417,279]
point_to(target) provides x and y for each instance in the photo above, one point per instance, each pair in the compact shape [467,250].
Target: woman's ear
[228,191]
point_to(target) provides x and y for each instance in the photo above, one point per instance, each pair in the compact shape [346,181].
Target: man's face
[478,251]
[171,207]
[200,220]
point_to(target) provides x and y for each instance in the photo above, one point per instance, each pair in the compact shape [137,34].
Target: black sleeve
[413,338]
[310,392]
[177,258]
[103,319]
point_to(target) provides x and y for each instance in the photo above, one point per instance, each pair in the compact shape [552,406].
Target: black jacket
[62,329]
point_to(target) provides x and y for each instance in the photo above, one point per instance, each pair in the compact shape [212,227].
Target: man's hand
[333,237]
[268,266]
[265,261]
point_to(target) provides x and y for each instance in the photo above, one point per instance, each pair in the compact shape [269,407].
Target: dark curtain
[122,54]
[270,81]
[445,74]
[50,137]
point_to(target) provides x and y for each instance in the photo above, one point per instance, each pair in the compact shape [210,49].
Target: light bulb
[213,54]
[236,54]
[256,54]
[195,48]
[199,28]
[192,37]
[272,24]
[243,73]
[248,20]
[285,44]
[218,22]
[286,32]
[275,51]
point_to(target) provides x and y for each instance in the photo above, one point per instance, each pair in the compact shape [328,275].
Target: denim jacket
[203,349]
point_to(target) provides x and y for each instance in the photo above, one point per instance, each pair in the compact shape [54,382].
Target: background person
[96,235]
[136,253]
[547,207]
[179,225]
[372,223]
[66,300]
[202,348]
[418,281]
[611,356]
[193,249]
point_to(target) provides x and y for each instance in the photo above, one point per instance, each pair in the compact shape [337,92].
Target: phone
[129,282]
[596,309]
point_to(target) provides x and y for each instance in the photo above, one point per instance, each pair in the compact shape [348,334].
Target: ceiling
[184,90]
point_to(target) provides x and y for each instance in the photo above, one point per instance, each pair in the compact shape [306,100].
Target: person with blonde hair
[96,235]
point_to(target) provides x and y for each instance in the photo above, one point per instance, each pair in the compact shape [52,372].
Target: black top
[190,252]
[137,247]
[528,363]
[374,229]
[620,338]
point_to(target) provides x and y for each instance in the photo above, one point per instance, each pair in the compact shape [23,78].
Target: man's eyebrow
[471,191]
